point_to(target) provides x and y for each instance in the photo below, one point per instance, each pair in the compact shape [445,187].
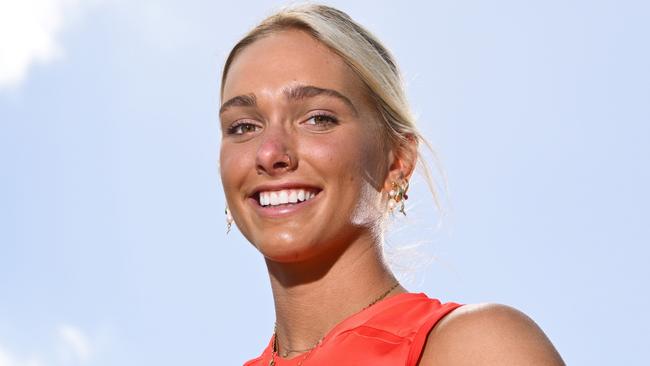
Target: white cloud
[72,347]
[7,359]
[29,31]
[75,341]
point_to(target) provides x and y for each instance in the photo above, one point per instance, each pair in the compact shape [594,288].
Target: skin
[331,244]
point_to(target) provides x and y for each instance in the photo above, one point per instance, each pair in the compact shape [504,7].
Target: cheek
[355,154]
[355,171]
[232,167]
[225,168]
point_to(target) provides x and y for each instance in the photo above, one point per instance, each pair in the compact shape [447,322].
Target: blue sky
[112,236]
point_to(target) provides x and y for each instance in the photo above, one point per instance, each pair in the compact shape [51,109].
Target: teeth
[274,198]
[293,196]
[283,197]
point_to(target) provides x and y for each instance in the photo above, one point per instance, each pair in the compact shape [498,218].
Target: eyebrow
[248,100]
[297,92]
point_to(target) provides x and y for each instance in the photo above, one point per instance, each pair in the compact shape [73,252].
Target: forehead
[289,57]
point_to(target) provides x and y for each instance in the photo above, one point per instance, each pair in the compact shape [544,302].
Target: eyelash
[233,130]
[329,119]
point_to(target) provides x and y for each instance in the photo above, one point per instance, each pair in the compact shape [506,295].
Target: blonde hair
[364,54]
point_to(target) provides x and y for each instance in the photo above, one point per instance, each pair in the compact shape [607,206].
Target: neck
[312,296]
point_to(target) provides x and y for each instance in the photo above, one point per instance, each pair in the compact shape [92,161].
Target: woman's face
[302,162]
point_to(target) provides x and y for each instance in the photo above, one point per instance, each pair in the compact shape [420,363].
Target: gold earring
[397,196]
[229,220]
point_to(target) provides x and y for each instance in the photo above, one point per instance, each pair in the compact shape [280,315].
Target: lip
[282,210]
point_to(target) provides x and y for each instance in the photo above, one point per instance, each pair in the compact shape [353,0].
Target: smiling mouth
[285,197]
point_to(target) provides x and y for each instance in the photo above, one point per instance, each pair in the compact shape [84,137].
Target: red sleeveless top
[391,332]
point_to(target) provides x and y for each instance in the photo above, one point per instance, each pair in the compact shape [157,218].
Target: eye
[321,121]
[242,128]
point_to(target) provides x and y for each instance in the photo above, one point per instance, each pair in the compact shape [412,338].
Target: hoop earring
[397,196]
[229,220]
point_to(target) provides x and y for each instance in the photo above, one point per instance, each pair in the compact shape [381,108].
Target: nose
[274,154]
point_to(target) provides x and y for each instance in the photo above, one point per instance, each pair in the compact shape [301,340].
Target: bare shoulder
[488,334]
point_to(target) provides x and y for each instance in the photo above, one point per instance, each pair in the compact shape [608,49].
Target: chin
[288,246]
[295,246]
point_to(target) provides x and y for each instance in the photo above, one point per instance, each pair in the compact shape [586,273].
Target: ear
[402,161]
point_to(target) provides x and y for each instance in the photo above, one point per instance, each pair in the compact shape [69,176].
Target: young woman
[318,147]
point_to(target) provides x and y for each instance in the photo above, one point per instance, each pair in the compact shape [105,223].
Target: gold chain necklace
[275,351]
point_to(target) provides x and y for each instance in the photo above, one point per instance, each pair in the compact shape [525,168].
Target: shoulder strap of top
[420,337]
